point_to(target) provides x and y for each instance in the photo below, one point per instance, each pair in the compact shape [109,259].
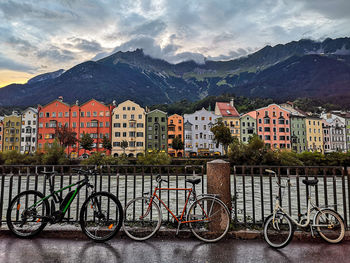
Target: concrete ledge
[76,233]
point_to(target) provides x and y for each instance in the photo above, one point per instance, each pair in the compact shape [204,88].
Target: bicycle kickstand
[178,228]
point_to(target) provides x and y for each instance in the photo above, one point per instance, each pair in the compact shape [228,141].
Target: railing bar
[244,199]
[253,195]
[344,197]
[335,190]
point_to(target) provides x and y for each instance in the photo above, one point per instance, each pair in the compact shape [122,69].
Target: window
[47,114]
[117,116]
[132,116]
[88,114]
[163,119]
[41,114]
[74,114]
[124,125]
[149,119]
[95,113]
[117,134]
[54,114]
[139,125]
[140,116]
[82,125]
[116,125]
[82,114]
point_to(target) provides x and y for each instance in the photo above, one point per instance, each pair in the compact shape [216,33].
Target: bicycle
[208,217]
[101,214]
[279,228]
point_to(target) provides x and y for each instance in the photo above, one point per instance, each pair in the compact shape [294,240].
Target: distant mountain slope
[302,68]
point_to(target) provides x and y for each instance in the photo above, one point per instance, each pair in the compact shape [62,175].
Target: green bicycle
[101,215]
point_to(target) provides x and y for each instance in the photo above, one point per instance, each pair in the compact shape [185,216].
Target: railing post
[218,181]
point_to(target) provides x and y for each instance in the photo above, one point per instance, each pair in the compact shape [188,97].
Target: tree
[106,143]
[124,144]
[177,144]
[86,142]
[54,154]
[66,136]
[222,135]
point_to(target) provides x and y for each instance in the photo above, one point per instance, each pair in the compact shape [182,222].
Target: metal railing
[252,189]
[124,181]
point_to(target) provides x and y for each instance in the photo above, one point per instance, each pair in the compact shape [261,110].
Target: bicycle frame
[179,220]
[53,194]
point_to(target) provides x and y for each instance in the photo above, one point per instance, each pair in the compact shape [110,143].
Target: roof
[227,110]
[251,114]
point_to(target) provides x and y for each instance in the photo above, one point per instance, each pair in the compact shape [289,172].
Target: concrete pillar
[218,181]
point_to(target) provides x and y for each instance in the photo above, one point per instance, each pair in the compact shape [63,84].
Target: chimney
[77,102]
[60,98]
[114,103]
[231,102]
[329,115]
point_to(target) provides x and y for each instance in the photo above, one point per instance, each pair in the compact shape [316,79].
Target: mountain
[303,68]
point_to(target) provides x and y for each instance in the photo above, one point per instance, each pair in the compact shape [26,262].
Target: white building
[337,132]
[199,140]
[29,130]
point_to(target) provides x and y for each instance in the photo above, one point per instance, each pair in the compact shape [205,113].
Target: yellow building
[12,132]
[128,124]
[314,134]
[230,116]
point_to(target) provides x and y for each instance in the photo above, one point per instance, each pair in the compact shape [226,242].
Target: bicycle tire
[278,238]
[209,230]
[108,219]
[145,228]
[12,219]
[329,232]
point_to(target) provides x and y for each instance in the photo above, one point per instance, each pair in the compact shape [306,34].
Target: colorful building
[128,123]
[230,116]
[314,134]
[12,132]
[199,140]
[337,132]
[273,124]
[29,130]
[95,120]
[1,132]
[248,126]
[156,131]
[326,136]
[175,129]
[51,116]
[92,117]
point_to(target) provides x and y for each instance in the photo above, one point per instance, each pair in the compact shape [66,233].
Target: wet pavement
[13,250]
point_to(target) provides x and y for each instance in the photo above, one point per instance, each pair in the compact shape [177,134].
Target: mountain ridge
[298,68]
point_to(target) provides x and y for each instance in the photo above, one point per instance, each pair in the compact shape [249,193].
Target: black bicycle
[101,214]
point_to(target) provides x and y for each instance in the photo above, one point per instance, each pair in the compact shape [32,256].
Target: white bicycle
[279,228]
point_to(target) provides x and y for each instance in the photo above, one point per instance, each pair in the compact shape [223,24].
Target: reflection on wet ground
[165,250]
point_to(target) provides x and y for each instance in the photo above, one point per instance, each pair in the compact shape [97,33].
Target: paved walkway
[13,250]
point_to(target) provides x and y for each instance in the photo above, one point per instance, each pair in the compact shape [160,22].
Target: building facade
[314,134]
[230,116]
[95,120]
[298,133]
[199,140]
[29,130]
[156,131]
[128,124]
[326,136]
[248,126]
[92,117]
[273,126]
[175,129]
[337,132]
[12,132]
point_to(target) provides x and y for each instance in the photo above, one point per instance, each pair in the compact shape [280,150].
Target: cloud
[7,63]
[55,54]
[91,46]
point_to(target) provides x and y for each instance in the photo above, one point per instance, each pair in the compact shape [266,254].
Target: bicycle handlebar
[85,172]
[159,179]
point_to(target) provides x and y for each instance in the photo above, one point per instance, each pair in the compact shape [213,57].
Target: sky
[38,36]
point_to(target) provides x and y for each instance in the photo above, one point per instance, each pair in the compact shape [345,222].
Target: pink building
[273,126]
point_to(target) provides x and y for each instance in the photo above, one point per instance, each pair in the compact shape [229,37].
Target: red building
[92,117]
[273,126]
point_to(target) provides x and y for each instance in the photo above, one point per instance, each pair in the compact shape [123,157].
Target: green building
[156,131]
[298,133]
[248,126]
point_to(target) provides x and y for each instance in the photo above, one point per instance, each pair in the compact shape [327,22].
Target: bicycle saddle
[193,181]
[310,182]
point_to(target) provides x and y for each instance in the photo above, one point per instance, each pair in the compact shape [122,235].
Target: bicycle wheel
[25,214]
[101,216]
[330,226]
[278,235]
[141,221]
[209,219]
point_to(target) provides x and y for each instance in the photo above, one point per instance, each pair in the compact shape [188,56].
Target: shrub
[154,158]
[55,154]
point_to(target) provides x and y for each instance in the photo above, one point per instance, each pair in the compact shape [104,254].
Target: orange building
[92,117]
[273,124]
[175,128]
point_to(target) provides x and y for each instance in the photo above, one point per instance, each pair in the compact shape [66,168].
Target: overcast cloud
[37,36]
